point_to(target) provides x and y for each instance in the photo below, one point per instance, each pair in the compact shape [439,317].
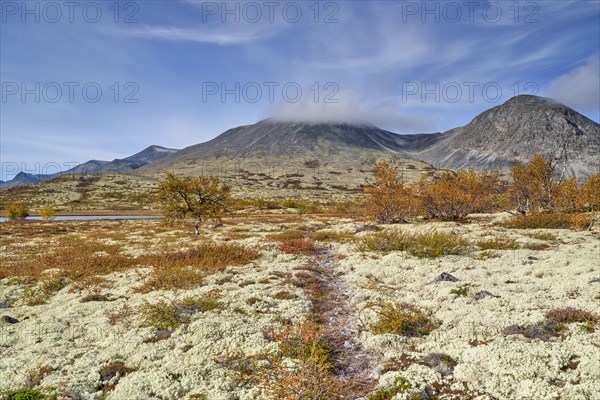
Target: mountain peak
[529,99]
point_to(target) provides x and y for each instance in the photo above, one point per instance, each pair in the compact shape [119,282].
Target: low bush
[332,236]
[47,213]
[16,211]
[402,319]
[386,240]
[498,244]
[539,220]
[308,380]
[297,246]
[78,260]
[207,256]
[430,244]
[287,235]
[45,288]
[401,386]
[164,277]
[304,342]
[164,315]
[311,375]
[547,236]
[437,244]
[25,394]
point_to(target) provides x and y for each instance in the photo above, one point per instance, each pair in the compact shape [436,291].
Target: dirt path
[329,294]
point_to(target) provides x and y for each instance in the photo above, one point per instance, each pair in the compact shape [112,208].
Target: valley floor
[101,321]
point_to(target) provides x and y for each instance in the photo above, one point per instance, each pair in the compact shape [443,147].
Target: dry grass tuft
[498,244]
[539,220]
[297,246]
[547,236]
[290,234]
[207,256]
[185,269]
[332,236]
[76,257]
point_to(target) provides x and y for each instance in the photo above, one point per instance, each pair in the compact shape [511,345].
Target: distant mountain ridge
[124,165]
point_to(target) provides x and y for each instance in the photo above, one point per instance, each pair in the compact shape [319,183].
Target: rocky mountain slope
[288,156]
[516,130]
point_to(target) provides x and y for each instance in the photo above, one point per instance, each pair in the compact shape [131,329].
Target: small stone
[533,258]
[9,319]
[377,372]
[4,305]
[345,332]
[483,294]
[444,277]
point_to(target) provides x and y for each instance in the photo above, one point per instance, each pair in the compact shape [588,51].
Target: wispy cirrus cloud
[579,88]
[220,35]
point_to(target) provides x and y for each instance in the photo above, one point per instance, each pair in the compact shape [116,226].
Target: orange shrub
[298,246]
[566,195]
[533,185]
[589,195]
[389,200]
[454,195]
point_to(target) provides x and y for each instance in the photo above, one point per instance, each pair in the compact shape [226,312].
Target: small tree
[200,199]
[17,211]
[533,185]
[454,195]
[388,198]
[47,213]
[589,197]
[566,195]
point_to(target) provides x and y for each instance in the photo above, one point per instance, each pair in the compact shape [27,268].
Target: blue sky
[409,67]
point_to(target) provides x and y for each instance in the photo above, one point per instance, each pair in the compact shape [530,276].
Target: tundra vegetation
[533,191]
[414,297]
[199,199]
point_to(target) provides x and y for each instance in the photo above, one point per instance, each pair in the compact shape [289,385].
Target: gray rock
[9,320]
[483,294]
[4,305]
[440,362]
[444,277]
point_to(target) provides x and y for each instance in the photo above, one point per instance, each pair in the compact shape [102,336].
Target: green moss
[462,290]
[25,394]
[401,386]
